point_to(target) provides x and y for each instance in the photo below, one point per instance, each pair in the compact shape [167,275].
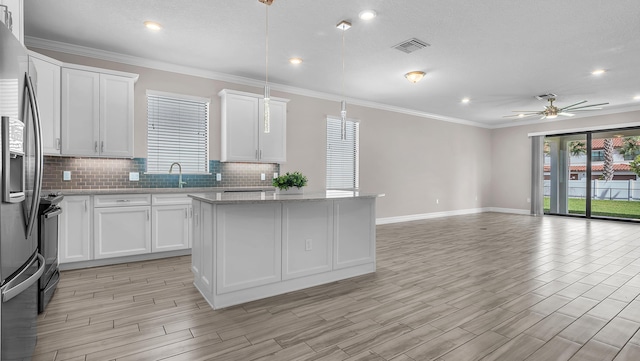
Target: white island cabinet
[249,246]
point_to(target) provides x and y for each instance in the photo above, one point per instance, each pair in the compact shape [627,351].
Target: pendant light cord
[343,30]
[266,44]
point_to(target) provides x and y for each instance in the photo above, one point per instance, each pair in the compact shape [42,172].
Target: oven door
[48,243]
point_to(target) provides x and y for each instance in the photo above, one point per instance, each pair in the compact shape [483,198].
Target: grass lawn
[607,208]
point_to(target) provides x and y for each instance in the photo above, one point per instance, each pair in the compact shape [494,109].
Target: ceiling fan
[551,111]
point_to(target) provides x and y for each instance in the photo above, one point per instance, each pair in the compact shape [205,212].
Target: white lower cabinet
[74,229]
[121,225]
[241,244]
[353,231]
[171,222]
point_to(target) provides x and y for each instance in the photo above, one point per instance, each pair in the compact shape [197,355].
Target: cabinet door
[273,145]
[48,92]
[74,229]
[121,231]
[196,241]
[170,228]
[248,245]
[116,116]
[354,232]
[80,112]
[239,128]
[307,238]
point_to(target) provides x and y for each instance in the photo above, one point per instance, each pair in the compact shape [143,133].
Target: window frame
[183,97]
[356,160]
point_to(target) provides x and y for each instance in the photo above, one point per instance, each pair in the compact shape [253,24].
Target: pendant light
[344,26]
[267,92]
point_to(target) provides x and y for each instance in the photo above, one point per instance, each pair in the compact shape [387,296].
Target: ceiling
[498,53]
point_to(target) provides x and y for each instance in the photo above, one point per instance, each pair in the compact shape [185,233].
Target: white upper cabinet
[97,113]
[243,136]
[47,84]
[17,14]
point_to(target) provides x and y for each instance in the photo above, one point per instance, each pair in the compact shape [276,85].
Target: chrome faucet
[180,182]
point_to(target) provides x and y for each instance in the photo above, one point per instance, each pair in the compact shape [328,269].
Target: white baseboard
[460,212]
[508,210]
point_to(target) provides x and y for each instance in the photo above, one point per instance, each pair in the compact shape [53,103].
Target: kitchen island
[252,245]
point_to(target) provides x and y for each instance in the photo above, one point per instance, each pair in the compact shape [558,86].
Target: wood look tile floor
[478,287]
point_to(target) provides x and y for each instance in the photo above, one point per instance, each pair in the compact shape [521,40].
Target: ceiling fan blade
[584,110]
[566,114]
[585,106]
[573,105]
[527,111]
[543,117]
[520,115]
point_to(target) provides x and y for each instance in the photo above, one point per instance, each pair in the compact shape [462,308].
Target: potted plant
[290,183]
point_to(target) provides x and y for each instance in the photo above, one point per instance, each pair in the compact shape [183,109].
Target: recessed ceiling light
[367,14]
[520,115]
[153,25]
[295,61]
[598,72]
[466,100]
[637,97]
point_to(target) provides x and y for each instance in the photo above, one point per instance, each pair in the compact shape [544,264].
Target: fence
[627,190]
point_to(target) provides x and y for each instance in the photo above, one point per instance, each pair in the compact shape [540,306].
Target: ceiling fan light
[414,76]
[465,100]
[552,116]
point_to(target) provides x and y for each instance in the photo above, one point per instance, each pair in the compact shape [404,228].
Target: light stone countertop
[271,196]
[77,192]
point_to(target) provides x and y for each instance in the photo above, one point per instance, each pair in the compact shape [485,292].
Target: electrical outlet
[262,176]
[528,200]
[308,245]
[66,175]
[218,177]
[134,176]
[275,175]
[437,201]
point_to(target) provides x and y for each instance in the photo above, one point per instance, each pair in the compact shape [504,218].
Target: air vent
[411,45]
[545,96]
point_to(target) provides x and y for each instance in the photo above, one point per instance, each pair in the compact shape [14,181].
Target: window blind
[343,155]
[177,132]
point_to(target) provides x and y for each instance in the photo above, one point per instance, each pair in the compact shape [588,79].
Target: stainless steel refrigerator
[21,152]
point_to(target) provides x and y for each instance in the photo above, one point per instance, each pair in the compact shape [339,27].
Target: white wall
[511,155]
[413,160]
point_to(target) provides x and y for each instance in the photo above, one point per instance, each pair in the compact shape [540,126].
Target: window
[177,131]
[597,156]
[343,155]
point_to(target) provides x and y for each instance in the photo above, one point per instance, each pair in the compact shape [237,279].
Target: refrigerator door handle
[35,114]
[10,290]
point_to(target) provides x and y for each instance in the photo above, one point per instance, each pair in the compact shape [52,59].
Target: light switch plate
[218,177]
[275,175]
[134,176]
[66,175]
[262,176]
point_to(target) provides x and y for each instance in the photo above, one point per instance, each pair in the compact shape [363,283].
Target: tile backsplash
[113,173]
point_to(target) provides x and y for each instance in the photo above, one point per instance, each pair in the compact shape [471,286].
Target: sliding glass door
[593,174]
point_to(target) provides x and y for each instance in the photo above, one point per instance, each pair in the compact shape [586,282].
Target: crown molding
[62,47]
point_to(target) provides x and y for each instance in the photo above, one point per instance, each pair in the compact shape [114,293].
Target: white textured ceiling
[499,53]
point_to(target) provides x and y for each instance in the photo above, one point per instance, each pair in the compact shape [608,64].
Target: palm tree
[630,147]
[577,148]
[607,168]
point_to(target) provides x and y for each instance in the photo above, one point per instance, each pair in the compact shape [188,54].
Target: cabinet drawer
[170,199]
[121,200]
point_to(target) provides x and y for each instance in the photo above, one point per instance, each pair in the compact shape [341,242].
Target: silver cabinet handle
[190,212]
[95,147]
[147,214]
[186,213]
[102,146]
[123,200]
[58,144]
[195,217]
[260,154]
[257,154]
[85,206]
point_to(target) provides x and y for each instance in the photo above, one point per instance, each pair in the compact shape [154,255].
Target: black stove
[48,212]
